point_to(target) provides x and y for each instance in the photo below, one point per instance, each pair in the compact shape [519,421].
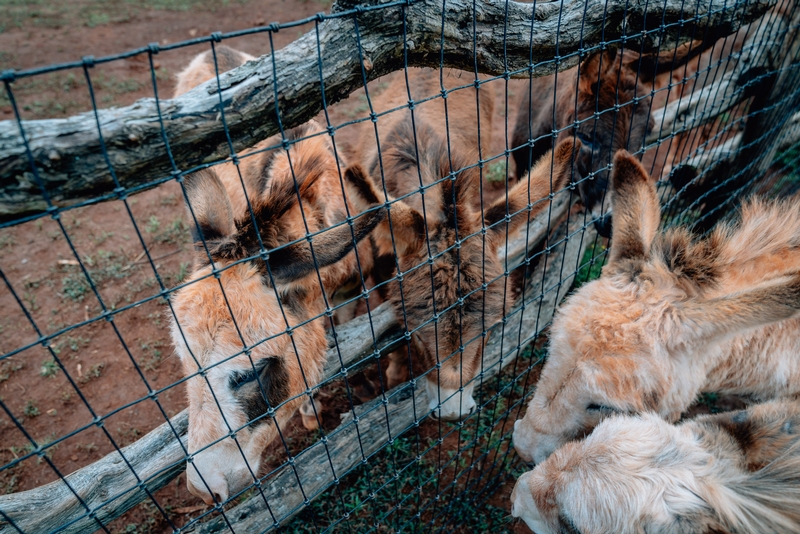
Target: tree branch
[70,160]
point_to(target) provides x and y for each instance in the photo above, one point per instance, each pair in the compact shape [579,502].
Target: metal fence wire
[341,327]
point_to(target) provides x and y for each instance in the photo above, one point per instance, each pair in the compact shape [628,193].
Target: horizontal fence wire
[336,326]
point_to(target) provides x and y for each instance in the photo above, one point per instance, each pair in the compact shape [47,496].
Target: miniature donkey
[736,472]
[449,300]
[615,88]
[235,177]
[254,391]
[671,316]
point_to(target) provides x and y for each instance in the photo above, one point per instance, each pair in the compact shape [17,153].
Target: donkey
[671,316]
[736,472]
[236,177]
[605,102]
[450,299]
[202,68]
[248,372]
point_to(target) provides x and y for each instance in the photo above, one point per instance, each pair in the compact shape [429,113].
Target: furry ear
[533,188]
[594,68]
[651,65]
[404,224]
[293,262]
[710,320]
[211,207]
[636,209]
[456,193]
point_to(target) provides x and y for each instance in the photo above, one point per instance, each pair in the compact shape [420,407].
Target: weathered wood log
[70,160]
[760,54]
[773,55]
[550,282]
[108,488]
[158,457]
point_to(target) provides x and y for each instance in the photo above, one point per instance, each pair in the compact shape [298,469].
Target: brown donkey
[236,177]
[737,472]
[608,94]
[671,316]
[450,285]
[249,372]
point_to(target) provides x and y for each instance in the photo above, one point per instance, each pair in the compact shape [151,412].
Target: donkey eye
[599,408]
[239,378]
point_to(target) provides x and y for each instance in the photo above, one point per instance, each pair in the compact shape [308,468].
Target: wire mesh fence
[250,302]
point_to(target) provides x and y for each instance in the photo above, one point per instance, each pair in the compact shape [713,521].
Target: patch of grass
[169,200]
[8,367]
[495,172]
[74,287]
[86,447]
[95,371]
[66,396]
[176,232]
[151,362]
[31,410]
[591,266]
[153,224]
[49,368]
[105,266]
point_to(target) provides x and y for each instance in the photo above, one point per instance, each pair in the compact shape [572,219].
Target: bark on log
[72,168]
[157,457]
[760,54]
[774,56]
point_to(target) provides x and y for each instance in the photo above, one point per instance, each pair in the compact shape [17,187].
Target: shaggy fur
[211,326]
[202,69]
[236,210]
[671,316]
[463,284]
[601,82]
[735,473]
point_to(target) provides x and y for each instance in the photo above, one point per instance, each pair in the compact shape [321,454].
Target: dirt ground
[112,363]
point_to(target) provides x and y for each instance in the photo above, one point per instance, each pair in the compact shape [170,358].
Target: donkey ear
[404,227]
[293,262]
[651,65]
[213,216]
[533,188]
[636,210]
[713,319]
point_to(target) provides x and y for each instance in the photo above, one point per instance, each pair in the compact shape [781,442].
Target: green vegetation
[49,368]
[496,171]
[594,257]
[31,410]
[403,479]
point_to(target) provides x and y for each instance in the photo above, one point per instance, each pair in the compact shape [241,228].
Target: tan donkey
[735,473]
[671,316]
[234,391]
[449,301]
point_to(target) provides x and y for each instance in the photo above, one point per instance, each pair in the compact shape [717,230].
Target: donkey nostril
[218,498]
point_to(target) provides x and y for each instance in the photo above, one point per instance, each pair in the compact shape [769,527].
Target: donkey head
[632,474]
[612,112]
[645,335]
[254,273]
[450,284]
